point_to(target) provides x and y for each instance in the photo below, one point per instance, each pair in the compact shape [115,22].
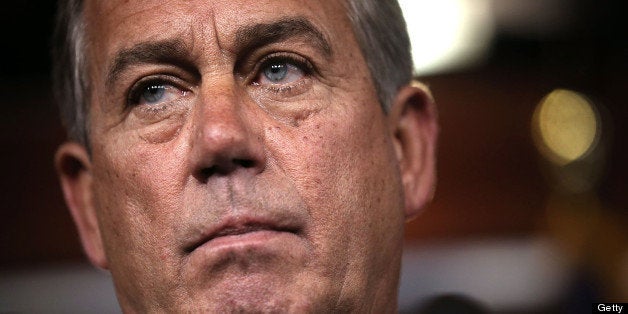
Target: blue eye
[276,72]
[153,94]
[281,72]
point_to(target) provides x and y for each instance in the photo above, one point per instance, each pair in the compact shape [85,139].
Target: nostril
[245,163]
[208,172]
[226,168]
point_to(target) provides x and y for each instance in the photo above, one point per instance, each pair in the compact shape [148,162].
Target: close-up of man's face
[238,158]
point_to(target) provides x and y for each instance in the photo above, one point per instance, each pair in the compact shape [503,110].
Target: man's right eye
[154,93]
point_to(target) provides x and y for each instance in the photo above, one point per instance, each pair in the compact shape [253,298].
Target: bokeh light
[566,126]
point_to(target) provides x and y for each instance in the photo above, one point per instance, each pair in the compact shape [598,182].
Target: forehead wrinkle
[204,33]
[171,51]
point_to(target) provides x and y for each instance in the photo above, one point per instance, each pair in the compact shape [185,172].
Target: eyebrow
[171,51]
[247,39]
[251,37]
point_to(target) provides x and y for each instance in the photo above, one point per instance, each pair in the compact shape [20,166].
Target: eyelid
[138,87]
[290,57]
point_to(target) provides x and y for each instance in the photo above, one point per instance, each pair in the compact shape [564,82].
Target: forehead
[115,24]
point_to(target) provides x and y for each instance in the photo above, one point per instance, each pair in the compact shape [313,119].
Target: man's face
[240,159]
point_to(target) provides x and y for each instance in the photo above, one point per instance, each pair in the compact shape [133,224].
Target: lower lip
[256,252]
[247,240]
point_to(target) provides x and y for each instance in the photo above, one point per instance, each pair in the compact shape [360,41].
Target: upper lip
[236,225]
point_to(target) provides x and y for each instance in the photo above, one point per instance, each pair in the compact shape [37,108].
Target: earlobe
[74,169]
[415,129]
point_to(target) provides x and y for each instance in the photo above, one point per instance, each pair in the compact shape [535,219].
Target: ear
[415,131]
[74,169]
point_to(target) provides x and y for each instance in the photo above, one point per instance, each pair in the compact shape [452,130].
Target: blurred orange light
[566,126]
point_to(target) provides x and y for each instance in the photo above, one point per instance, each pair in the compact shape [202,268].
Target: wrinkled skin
[219,187]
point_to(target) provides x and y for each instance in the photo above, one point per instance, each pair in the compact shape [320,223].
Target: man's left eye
[154,93]
[279,73]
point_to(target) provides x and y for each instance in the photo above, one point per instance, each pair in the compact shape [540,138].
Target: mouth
[238,231]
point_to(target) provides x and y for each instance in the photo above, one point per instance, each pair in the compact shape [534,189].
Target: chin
[259,288]
[251,297]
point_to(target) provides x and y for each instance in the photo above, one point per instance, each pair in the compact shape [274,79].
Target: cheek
[136,188]
[344,167]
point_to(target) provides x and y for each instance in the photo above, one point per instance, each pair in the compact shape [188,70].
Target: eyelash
[282,57]
[135,93]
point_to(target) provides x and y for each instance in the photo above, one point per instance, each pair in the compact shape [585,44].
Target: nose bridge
[225,137]
[220,113]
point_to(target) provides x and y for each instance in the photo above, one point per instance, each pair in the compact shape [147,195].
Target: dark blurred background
[502,230]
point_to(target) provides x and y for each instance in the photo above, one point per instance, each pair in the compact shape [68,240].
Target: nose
[227,138]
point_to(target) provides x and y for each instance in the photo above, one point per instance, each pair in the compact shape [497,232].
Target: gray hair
[380,30]
[378,26]
[69,73]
